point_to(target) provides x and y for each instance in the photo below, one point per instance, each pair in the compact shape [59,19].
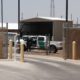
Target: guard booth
[3,43]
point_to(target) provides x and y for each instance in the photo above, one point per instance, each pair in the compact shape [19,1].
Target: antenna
[37,14]
[52,9]
[71,17]
[21,15]
[77,21]
[61,16]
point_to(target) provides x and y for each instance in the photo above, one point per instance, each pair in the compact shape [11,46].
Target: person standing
[29,44]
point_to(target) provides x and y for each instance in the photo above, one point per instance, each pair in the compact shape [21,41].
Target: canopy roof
[43,19]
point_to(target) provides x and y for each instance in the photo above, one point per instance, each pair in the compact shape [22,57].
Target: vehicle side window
[41,39]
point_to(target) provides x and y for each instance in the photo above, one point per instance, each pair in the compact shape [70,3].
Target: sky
[30,8]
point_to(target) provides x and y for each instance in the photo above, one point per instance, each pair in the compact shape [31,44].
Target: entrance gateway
[45,26]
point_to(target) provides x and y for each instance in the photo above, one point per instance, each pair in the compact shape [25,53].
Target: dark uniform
[29,43]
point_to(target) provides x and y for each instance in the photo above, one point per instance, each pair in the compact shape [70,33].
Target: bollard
[74,53]
[21,50]
[10,51]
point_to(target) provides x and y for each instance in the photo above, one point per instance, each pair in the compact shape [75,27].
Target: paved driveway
[36,68]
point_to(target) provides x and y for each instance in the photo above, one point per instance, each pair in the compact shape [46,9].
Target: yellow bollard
[10,51]
[21,50]
[74,53]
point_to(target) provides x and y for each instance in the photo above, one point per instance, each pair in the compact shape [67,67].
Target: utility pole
[18,14]
[66,33]
[66,10]
[20,30]
[2,14]
[52,9]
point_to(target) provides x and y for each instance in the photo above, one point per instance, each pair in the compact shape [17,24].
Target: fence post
[74,53]
[21,50]
[10,50]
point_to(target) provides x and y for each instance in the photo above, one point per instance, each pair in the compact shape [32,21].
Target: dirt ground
[60,53]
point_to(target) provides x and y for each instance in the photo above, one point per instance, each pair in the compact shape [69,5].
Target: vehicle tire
[53,49]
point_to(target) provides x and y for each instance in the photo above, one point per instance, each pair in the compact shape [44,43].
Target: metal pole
[66,25]
[66,10]
[51,9]
[18,14]
[19,18]
[20,30]
[2,14]
[1,55]
[66,51]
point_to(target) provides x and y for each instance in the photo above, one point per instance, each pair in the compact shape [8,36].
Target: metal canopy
[42,19]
